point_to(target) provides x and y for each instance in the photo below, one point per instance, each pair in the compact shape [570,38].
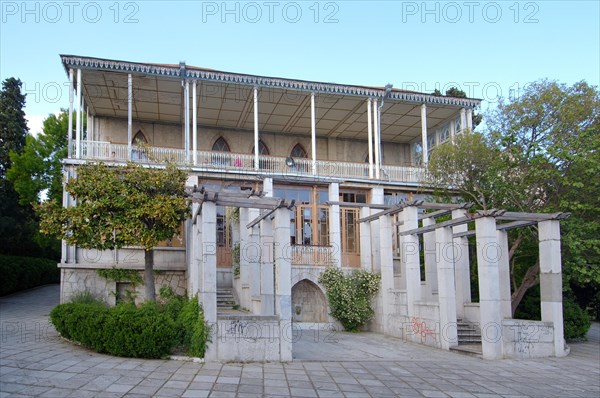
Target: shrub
[151,330]
[576,319]
[20,273]
[350,295]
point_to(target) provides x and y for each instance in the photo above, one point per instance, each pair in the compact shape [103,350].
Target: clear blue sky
[486,48]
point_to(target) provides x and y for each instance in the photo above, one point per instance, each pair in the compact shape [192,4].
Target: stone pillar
[244,294]
[253,252]
[195,253]
[504,275]
[462,269]
[429,246]
[365,241]
[551,281]
[281,234]
[411,259]
[445,253]
[387,268]
[490,305]
[335,236]
[376,198]
[208,288]
[267,288]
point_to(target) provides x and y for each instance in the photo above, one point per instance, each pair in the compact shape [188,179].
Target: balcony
[244,163]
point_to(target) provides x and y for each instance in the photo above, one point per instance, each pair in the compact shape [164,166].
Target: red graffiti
[419,327]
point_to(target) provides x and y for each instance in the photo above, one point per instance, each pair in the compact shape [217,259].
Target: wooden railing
[312,255]
[227,161]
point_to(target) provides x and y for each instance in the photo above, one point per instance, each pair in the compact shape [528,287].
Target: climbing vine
[121,275]
[350,295]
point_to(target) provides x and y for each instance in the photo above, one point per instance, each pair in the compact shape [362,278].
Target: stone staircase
[225,299]
[469,338]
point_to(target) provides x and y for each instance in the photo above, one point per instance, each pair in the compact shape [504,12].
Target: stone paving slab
[35,362]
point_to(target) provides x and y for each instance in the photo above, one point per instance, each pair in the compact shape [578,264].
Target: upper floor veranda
[236,123]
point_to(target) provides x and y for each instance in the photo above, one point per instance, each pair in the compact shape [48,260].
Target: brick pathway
[35,362]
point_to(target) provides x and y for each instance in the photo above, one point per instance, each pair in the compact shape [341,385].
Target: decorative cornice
[175,71]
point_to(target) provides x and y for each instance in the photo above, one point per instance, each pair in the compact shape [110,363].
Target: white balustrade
[227,161]
[312,255]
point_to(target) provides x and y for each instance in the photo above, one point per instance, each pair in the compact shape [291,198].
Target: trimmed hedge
[20,273]
[151,330]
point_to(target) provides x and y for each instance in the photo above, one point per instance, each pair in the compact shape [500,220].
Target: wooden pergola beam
[264,215]
[443,206]
[433,227]
[515,224]
[522,216]
[464,234]
[437,213]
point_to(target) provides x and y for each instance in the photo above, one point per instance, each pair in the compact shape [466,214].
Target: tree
[13,125]
[121,206]
[541,153]
[458,93]
[16,222]
[38,168]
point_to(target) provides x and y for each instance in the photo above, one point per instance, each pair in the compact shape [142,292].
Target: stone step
[225,299]
[470,349]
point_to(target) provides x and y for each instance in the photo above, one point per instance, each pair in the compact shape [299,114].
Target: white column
[244,294]
[446,289]
[462,272]
[78,120]
[186,115]
[208,289]
[129,114]
[490,306]
[377,142]
[313,133]
[194,124]
[370,136]
[281,232]
[335,236]
[470,119]
[452,130]
[431,260]
[411,258]
[194,276]
[378,199]
[551,281]
[424,143]
[70,127]
[267,288]
[387,269]
[87,129]
[253,251]
[463,119]
[365,241]
[256,149]
[504,274]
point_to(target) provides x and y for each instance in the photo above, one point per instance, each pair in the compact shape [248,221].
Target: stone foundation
[75,280]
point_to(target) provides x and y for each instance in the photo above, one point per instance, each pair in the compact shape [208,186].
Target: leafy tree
[13,125]
[121,206]
[38,168]
[16,222]
[541,154]
[458,93]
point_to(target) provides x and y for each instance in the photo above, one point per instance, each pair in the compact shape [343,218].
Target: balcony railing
[312,255]
[237,162]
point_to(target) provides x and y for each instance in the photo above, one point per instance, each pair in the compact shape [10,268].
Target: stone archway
[308,303]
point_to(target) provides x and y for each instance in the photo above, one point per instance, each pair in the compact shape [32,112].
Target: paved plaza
[34,361]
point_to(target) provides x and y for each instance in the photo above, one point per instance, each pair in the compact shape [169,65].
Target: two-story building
[293,177]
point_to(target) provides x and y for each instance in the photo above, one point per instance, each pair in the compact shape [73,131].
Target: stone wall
[75,280]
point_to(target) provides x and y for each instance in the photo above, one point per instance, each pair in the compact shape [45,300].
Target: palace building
[289,177]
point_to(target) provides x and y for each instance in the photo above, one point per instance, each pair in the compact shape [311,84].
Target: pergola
[452,270]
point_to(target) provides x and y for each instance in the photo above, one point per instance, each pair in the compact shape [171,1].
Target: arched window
[298,152]
[221,145]
[139,152]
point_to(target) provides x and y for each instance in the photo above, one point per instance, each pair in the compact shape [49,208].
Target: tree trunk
[149,275]
[530,279]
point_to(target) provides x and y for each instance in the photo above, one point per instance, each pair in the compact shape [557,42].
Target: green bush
[20,273]
[576,319]
[151,330]
[350,295]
